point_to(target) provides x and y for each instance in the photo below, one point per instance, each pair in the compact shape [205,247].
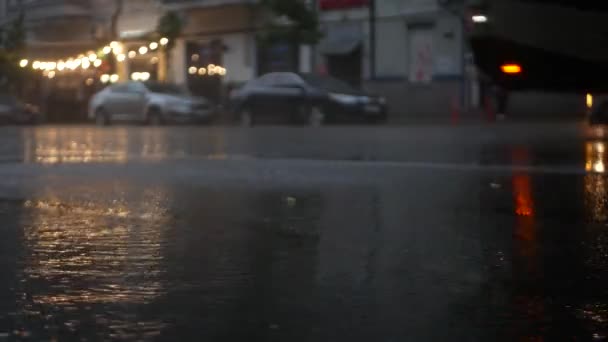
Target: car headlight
[344,98]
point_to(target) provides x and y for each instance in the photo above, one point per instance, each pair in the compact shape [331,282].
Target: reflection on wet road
[492,233]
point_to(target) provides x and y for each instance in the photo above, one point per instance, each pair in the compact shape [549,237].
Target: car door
[134,101]
[288,95]
[114,101]
[259,93]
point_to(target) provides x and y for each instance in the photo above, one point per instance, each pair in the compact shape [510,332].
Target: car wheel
[154,117]
[101,118]
[245,117]
[316,117]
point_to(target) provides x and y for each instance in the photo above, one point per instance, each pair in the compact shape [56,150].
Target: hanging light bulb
[114,78]
[51,74]
[143,50]
[60,65]
[117,50]
[36,65]
[86,63]
[97,63]
[164,41]
[132,54]
[107,50]
[92,57]
[114,44]
[121,57]
[153,46]
[23,63]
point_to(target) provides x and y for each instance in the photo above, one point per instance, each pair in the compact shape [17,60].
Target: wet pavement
[419,233]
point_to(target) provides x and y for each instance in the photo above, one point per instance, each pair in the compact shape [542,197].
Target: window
[119,88]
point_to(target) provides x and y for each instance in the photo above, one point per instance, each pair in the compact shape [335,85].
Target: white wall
[239,59]
[448,45]
[391,48]
[139,15]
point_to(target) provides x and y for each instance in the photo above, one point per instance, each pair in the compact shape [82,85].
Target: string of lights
[94,59]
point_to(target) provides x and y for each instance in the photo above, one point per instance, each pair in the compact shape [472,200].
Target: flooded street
[420,233]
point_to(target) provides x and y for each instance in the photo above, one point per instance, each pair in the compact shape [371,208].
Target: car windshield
[328,83]
[166,88]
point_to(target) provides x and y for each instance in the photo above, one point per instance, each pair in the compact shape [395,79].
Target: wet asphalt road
[419,233]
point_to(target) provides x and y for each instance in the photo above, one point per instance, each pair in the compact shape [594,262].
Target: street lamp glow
[143,50]
[117,50]
[479,18]
[23,63]
[511,68]
[164,41]
[153,46]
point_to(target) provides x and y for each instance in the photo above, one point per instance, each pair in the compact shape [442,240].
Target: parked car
[14,111]
[305,99]
[148,102]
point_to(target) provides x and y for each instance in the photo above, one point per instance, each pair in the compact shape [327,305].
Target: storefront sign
[341,4]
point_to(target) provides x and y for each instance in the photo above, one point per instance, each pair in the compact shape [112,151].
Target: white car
[150,102]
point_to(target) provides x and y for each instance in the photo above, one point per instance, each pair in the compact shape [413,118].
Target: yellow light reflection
[87,240]
[67,146]
[595,153]
[596,188]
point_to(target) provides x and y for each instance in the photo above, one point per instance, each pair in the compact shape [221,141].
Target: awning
[342,46]
[341,39]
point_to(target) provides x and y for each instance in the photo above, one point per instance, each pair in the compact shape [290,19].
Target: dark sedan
[303,99]
[13,111]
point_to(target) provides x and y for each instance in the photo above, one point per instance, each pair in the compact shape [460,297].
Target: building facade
[411,51]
